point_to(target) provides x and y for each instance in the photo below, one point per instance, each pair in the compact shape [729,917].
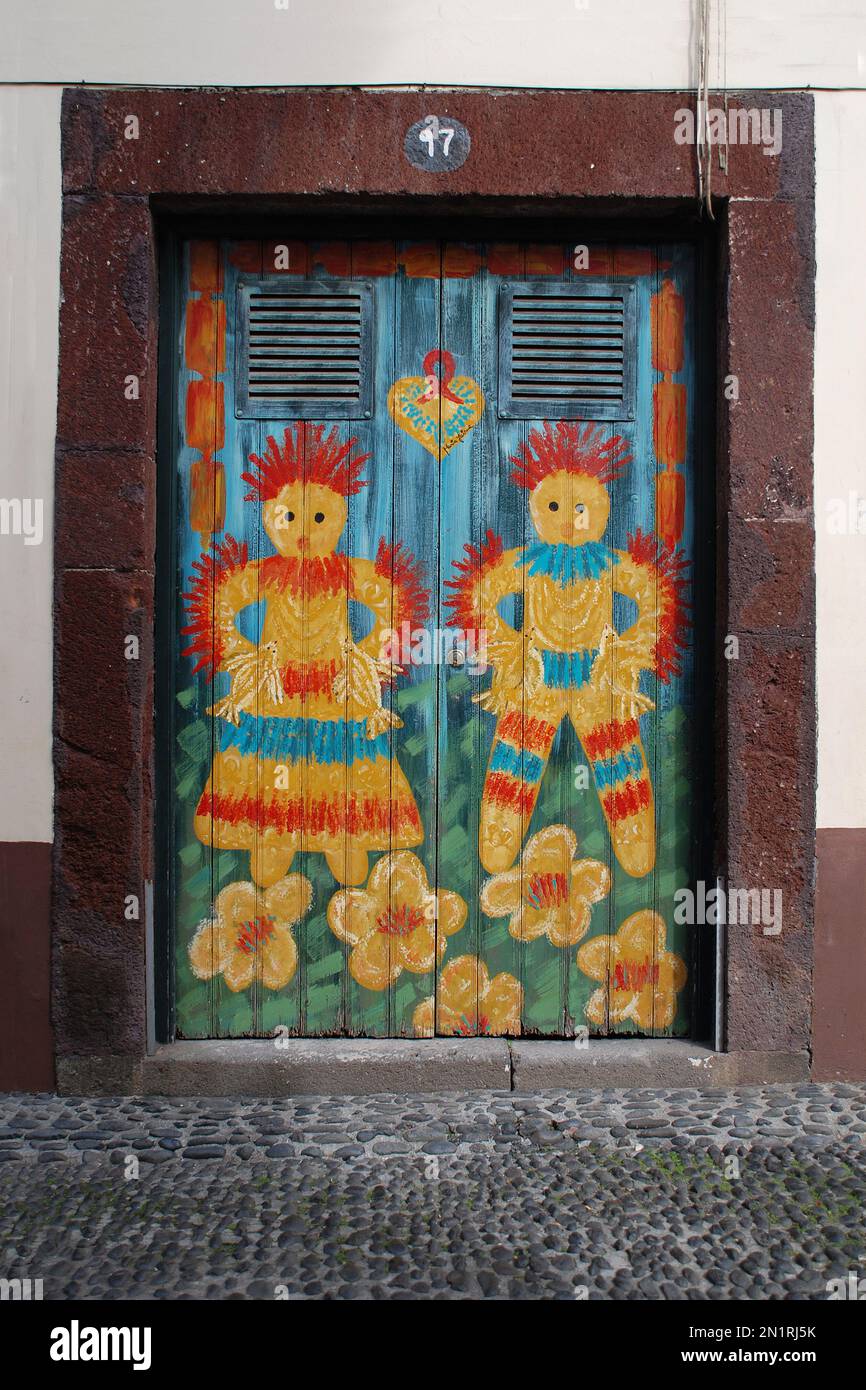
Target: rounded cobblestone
[647,1194]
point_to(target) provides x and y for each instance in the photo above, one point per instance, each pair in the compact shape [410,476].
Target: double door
[433,717]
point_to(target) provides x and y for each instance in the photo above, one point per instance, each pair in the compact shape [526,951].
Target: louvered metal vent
[304,349]
[567,350]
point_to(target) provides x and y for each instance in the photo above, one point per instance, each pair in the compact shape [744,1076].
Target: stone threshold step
[371,1066]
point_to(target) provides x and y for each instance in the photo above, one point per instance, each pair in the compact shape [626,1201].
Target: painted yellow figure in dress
[303,757]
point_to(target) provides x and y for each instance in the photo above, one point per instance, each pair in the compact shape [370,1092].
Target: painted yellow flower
[550,892]
[392,923]
[470,1003]
[250,934]
[639,979]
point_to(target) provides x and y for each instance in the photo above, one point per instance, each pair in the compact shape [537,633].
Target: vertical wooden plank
[625,511]
[236,1010]
[192,748]
[308,860]
[326,971]
[676,714]
[593,840]
[567,804]
[530,980]
[415,518]
[465,344]
[503,512]
[364,1010]
[208,388]
[660,789]
[327,978]
[622,501]
[296,771]
[329,862]
[593,762]
[478,495]
[635,512]
[369,520]
[558,803]
[275,1008]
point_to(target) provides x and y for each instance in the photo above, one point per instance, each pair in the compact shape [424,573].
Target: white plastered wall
[29,301]
[840,456]
[528,43]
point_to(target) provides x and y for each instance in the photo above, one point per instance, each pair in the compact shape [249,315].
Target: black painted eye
[554,506]
[290,516]
[320,516]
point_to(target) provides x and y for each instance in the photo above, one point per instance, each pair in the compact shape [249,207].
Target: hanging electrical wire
[704,126]
[722,73]
[702,144]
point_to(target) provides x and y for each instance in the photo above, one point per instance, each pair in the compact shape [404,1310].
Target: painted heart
[438,409]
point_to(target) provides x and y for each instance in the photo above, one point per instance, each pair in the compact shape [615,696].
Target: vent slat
[530,359]
[563,340]
[310,333]
[299,303]
[301,393]
[331,302]
[309,341]
[553,327]
[293,321]
[315,378]
[306,350]
[562,394]
[300,359]
[567,350]
[294,365]
[544,317]
[521,377]
[548,303]
[534,388]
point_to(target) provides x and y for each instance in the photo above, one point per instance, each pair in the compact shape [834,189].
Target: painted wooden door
[434,697]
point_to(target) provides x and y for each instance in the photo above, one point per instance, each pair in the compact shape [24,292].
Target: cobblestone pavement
[755,1193]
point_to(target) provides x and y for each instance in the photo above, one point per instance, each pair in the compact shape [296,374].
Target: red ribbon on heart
[438,369]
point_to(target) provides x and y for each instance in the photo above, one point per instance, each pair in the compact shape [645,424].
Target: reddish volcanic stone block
[107,325]
[105,511]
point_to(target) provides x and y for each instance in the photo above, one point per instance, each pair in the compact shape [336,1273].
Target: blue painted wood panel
[449,801]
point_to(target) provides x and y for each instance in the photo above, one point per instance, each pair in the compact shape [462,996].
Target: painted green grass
[323,998]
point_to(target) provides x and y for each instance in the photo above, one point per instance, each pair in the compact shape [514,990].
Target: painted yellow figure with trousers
[568,660]
[303,757]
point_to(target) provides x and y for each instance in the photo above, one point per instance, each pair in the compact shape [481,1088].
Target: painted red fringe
[566,447]
[501,789]
[332,815]
[465,602]
[670,566]
[259,929]
[606,739]
[411,599]
[315,458]
[628,800]
[546,890]
[307,576]
[210,572]
[401,920]
[633,975]
[308,679]
[534,734]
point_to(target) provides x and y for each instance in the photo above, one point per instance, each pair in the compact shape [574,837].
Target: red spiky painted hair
[208,576]
[567,448]
[668,567]
[316,459]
